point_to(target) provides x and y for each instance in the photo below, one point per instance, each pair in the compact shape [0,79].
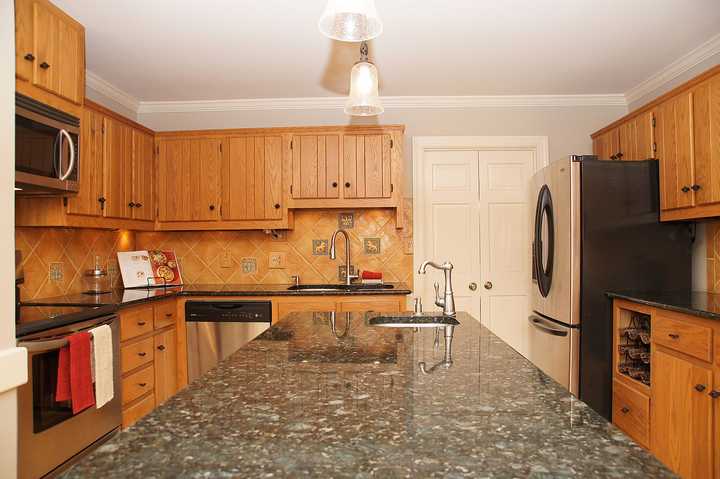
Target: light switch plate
[225,259]
[276,260]
[55,272]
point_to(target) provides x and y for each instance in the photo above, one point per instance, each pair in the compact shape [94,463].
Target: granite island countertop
[698,303]
[130,297]
[324,396]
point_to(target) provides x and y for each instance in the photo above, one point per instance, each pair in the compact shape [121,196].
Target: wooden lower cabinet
[345,304]
[150,355]
[678,416]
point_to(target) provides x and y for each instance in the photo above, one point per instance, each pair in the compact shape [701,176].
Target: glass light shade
[350,20]
[364,98]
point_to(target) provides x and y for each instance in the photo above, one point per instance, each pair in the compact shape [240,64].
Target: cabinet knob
[141,323]
[212,207]
[44,65]
[161,348]
[347,184]
[695,187]
[168,315]
[277,206]
[700,387]
[488,285]
[715,394]
[142,385]
[625,410]
[472,286]
[142,354]
[131,204]
[674,336]
[102,199]
[613,157]
[619,155]
[685,189]
[29,57]
[334,184]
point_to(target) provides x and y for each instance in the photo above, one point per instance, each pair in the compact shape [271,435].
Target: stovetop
[34,319]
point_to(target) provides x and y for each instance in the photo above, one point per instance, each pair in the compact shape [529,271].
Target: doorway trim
[422,144]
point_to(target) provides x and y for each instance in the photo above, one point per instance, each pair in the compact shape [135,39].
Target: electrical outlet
[55,272]
[276,260]
[225,259]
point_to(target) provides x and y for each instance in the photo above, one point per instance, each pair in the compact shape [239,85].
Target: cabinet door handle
[613,157]
[161,348]
[347,184]
[168,315]
[695,187]
[142,385]
[142,354]
[700,387]
[625,410]
[674,336]
[138,205]
[715,394]
[212,207]
[131,204]
[685,189]
[472,286]
[141,323]
[334,184]
[44,65]
[29,57]
[619,155]
[277,206]
[488,285]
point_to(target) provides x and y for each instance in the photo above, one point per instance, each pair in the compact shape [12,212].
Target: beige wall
[568,129]
[8,408]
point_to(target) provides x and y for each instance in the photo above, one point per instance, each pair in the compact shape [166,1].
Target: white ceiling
[180,50]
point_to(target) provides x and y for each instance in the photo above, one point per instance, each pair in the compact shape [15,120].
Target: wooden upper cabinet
[627,141]
[143,176]
[682,435]
[644,136]
[118,169]
[252,178]
[189,179]
[49,51]
[89,200]
[315,166]
[367,166]
[706,141]
[673,122]
[607,145]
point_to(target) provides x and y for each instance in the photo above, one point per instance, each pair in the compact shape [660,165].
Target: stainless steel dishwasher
[216,329]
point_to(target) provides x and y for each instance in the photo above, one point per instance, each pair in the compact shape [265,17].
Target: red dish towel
[371,275]
[74,373]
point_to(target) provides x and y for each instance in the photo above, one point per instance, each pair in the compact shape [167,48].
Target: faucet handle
[437,290]
[438,302]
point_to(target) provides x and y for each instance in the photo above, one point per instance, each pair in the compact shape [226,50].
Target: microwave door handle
[543,326]
[71,165]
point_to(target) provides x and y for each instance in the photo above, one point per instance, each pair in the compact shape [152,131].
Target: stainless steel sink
[310,288]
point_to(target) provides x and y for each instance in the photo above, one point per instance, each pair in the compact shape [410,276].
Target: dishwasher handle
[546,326]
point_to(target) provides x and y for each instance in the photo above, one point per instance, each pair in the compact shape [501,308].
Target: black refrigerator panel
[624,247]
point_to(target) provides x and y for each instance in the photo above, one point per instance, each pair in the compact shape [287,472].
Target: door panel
[627,139]
[45,32]
[118,169]
[367,166]
[91,167]
[24,39]
[644,136]
[706,141]
[166,367]
[70,62]
[683,130]
[273,178]
[316,162]
[143,176]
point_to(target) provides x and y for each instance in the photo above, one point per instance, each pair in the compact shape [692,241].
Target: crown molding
[100,85]
[395,102]
[674,70]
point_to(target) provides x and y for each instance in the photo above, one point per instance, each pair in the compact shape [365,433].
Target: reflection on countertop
[312,398]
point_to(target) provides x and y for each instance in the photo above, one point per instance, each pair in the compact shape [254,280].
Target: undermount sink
[338,287]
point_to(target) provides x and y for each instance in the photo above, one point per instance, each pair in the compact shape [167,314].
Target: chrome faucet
[333,255]
[447,303]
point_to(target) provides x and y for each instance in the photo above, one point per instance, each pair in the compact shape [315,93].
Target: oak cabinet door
[627,141]
[24,50]
[90,198]
[315,166]
[706,141]
[366,166]
[143,169]
[117,169]
[607,145]
[252,178]
[675,152]
[644,137]
[59,43]
[374,305]
[681,432]
[189,179]
[166,367]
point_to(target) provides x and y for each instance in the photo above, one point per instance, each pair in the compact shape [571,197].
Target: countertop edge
[637,298]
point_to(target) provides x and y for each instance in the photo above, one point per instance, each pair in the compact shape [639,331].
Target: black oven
[47,149]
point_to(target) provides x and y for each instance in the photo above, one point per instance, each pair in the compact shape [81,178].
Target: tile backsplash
[54,259]
[257,257]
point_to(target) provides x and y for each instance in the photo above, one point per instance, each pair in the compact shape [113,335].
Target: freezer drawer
[554,348]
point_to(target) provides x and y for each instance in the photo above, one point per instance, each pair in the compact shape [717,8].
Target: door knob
[488,285]
[212,207]
[472,286]
[161,348]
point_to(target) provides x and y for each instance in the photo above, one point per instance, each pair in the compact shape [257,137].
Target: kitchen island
[324,395]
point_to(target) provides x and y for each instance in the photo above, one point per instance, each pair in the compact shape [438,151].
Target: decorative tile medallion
[320,247]
[346,220]
[371,245]
[249,265]
[342,272]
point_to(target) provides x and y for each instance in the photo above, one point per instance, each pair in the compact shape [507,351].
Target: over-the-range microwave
[47,153]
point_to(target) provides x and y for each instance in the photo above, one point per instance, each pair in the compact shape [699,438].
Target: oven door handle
[64,176]
[53,343]
[543,326]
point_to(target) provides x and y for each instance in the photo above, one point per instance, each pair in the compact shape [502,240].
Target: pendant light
[350,20]
[364,97]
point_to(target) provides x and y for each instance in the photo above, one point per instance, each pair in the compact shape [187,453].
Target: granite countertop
[128,297]
[698,303]
[332,396]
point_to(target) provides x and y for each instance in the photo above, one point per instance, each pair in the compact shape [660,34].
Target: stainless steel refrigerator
[596,228]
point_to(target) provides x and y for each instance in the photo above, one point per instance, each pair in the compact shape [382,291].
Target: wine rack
[634,348]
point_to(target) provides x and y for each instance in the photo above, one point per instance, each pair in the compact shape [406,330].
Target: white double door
[474,213]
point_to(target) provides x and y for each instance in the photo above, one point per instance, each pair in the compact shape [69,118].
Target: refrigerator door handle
[545,326]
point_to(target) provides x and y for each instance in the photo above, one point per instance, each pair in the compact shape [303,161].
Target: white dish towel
[103,364]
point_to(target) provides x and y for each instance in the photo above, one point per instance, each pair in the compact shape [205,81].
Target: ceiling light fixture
[364,97]
[350,20]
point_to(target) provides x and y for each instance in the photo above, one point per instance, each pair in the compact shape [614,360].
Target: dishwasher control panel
[228,311]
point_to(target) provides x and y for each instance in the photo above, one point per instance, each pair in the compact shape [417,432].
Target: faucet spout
[333,255]
[447,302]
